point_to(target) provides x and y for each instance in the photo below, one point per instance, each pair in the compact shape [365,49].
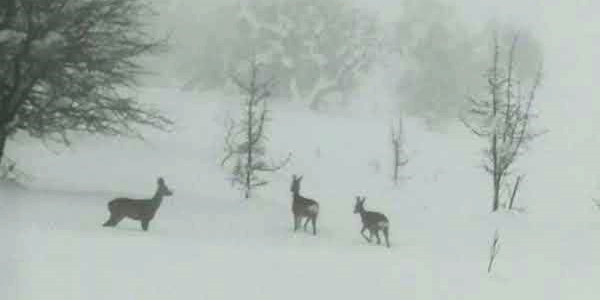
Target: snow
[50,41]
[8,35]
[208,243]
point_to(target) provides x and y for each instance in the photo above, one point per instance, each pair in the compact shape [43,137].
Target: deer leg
[109,222]
[145,224]
[314,224]
[306,223]
[296,222]
[386,235]
[113,220]
[377,236]
[362,232]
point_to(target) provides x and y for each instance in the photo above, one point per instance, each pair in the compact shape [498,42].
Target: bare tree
[317,49]
[439,58]
[245,139]
[503,117]
[494,250]
[67,66]
[399,156]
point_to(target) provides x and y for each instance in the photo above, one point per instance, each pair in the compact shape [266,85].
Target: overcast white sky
[569,30]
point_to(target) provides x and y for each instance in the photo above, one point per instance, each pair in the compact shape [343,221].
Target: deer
[303,207]
[142,210]
[372,221]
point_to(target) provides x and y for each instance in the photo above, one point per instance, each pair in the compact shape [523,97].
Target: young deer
[142,210]
[303,207]
[372,221]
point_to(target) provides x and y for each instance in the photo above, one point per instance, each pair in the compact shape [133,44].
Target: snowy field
[208,243]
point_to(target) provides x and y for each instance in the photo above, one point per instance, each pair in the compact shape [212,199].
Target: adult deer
[303,207]
[142,210]
[372,221]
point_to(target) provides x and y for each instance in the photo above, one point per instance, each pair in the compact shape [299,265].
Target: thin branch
[472,128]
[229,143]
[511,59]
[273,167]
[514,192]
[494,250]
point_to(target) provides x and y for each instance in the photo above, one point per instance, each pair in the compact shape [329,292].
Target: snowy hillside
[208,243]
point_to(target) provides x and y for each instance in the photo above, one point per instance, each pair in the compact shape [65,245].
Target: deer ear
[363,199]
[300,178]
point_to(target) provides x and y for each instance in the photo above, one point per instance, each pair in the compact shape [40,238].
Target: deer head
[295,188]
[359,206]
[163,190]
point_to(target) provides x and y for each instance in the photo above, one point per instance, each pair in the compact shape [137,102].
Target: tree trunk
[396,169]
[496,203]
[250,137]
[3,138]
[496,175]
[250,133]
[396,160]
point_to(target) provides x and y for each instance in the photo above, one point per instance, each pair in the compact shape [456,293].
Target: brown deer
[303,207]
[142,210]
[372,221]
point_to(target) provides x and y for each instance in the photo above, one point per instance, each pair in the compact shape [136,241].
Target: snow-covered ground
[208,243]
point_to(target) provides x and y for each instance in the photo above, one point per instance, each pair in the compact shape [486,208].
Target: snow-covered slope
[208,243]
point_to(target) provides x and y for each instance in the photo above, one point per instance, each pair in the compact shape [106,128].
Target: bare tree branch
[503,118]
[71,66]
[514,192]
[245,139]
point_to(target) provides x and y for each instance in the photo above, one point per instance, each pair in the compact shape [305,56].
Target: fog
[569,32]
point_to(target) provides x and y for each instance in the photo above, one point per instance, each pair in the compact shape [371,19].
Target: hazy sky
[568,29]
[570,33]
